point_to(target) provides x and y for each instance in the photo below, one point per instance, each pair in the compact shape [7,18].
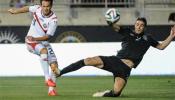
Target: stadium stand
[76,12]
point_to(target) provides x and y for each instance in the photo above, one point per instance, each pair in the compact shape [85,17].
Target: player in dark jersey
[135,43]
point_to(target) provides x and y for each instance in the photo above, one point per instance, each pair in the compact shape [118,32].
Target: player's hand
[30,38]
[12,11]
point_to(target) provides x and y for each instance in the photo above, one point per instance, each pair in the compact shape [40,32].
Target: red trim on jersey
[32,45]
[37,19]
[54,18]
[50,15]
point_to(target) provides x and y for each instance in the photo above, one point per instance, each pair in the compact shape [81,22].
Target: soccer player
[135,43]
[42,28]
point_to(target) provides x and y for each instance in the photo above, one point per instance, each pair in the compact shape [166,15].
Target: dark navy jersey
[134,46]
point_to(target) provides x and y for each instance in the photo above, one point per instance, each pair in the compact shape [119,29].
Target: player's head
[140,25]
[46,6]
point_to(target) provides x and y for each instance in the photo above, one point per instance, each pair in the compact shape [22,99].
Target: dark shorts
[116,66]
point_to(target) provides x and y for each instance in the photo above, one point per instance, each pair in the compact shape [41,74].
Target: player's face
[46,7]
[139,27]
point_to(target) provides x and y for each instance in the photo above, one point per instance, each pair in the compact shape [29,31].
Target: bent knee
[43,51]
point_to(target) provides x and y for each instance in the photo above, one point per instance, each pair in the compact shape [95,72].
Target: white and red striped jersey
[42,25]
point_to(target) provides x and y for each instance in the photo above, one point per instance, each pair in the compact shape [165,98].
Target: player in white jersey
[41,30]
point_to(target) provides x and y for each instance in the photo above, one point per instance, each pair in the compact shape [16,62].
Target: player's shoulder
[54,17]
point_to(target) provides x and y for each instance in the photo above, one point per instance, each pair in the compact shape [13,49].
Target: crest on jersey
[44,25]
[8,37]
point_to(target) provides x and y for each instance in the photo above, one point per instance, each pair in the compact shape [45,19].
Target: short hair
[143,19]
[51,2]
[171,17]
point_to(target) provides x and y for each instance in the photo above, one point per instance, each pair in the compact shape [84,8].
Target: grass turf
[82,88]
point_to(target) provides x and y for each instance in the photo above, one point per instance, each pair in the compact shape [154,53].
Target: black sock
[74,66]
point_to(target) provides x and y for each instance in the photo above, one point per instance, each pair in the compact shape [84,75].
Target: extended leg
[93,61]
[54,72]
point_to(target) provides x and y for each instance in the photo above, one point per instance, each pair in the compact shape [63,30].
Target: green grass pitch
[82,88]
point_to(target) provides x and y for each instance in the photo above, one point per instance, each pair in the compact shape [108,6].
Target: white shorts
[35,48]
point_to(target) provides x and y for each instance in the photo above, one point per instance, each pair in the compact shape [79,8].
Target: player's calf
[72,67]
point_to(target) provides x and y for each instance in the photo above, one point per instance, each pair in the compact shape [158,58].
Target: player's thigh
[31,48]
[50,50]
[51,55]
[41,49]
[119,84]
[35,48]
[94,61]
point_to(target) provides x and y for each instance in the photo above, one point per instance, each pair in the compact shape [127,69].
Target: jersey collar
[51,13]
[138,35]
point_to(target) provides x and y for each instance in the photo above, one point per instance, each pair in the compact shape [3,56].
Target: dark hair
[143,19]
[51,2]
[171,17]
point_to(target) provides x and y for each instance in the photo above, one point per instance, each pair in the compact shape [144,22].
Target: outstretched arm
[19,10]
[168,40]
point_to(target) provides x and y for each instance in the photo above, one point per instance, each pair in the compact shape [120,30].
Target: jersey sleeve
[33,8]
[124,31]
[52,27]
[152,41]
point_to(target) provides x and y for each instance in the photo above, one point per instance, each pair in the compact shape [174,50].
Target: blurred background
[82,22]
[77,12]
[83,32]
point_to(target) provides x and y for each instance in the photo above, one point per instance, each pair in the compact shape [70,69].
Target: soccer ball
[112,15]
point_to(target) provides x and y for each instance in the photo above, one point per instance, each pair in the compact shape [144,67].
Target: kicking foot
[50,83]
[52,93]
[100,94]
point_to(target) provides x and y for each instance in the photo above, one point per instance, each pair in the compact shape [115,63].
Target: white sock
[51,88]
[45,65]
[53,77]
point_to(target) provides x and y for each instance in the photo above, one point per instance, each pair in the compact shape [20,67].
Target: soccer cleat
[52,93]
[100,94]
[50,83]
